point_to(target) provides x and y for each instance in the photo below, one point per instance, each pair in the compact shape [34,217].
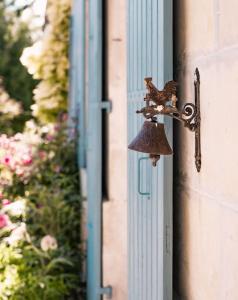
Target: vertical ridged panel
[149,54]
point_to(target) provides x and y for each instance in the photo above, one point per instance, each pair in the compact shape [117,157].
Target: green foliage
[27,270]
[14,37]
[32,275]
[40,209]
[54,192]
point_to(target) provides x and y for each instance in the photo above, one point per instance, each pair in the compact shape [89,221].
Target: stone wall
[206,203]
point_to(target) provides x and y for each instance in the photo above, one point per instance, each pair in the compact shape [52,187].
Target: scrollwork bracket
[164,103]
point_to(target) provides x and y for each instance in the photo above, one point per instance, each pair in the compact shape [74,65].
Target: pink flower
[57,169]
[19,172]
[27,160]
[48,242]
[7,160]
[42,154]
[57,127]
[49,137]
[4,220]
[18,233]
[6,202]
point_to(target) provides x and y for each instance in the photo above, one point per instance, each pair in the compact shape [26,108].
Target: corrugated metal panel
[150,189]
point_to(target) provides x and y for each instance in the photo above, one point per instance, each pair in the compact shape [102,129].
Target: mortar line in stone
[226,51]
[219,200]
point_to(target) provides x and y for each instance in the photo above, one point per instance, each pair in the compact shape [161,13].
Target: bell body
[151,139]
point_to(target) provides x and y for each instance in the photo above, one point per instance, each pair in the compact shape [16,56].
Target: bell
[152,139]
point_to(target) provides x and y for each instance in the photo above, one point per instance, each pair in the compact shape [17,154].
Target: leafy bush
[14,37]
[40,255]
[40,246]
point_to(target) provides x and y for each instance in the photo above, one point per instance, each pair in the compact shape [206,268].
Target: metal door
[149,188]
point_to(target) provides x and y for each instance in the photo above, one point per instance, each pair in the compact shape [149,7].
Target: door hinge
[107,291]
[107,105]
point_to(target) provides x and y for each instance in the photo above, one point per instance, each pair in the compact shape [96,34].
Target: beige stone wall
[115,210]
[206,204]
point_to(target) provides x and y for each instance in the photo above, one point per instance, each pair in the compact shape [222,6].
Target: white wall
[206,204]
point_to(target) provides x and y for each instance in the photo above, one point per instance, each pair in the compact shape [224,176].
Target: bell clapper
[154,158]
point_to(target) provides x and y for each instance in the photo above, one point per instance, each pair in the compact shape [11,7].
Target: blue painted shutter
[150,189]
[94,151]
[87,112]
[85,106]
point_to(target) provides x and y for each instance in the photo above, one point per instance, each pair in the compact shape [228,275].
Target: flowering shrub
[4,220]
[10,111]
[48,242]
[17,152]
[40,219]
[40,251]
[15,158]
[48,61]
[9,108]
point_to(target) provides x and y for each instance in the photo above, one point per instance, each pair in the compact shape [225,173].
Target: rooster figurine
[160,97]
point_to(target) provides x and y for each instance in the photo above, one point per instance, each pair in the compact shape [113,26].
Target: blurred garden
[40,243]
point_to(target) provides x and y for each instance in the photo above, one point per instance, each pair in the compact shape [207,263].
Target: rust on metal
[164,102]
[152,140]
[198,156]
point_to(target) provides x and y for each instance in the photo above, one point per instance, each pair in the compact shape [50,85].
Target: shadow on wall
[179,227]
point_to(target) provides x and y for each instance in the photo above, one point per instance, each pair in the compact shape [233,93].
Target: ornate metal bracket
[164,103]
